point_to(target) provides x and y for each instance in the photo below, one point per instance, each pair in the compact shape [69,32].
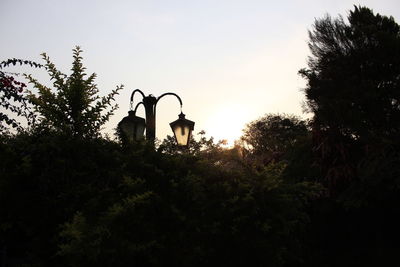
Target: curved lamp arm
[179,99]
[132,95]
[137,105]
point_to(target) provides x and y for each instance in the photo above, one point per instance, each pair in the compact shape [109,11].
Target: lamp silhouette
[133,127]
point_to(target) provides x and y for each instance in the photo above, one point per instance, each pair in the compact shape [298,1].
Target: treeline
[323,192]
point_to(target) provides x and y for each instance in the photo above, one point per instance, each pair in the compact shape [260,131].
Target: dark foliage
[135,206]
[187,213]
[272,137]
[73,106]
[45,178]
[354,92]
[12,100]
[281,138]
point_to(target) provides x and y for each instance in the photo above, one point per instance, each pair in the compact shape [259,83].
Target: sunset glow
[227,123]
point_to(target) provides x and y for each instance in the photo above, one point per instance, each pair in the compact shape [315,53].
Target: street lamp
[182,129]
[133,127]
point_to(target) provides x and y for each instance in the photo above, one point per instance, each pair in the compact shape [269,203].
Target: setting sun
[227,123]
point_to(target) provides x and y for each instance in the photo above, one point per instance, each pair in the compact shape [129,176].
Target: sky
[231,61]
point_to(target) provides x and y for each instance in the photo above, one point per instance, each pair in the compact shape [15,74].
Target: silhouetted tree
[73,107]
[353,75]
[353,90]
[280,138]
[270,137]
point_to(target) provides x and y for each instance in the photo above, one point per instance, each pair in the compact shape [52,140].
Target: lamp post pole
[150,104]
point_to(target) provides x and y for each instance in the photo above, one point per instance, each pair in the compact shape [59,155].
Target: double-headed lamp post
[132,126]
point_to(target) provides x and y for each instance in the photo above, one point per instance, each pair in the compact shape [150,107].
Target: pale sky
[230,61]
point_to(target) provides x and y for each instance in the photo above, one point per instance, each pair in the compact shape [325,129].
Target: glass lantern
[182,129]
[132,126]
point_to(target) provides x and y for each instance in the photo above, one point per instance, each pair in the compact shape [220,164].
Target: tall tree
[353,90]
[353,87]
[73,106]
[354,75]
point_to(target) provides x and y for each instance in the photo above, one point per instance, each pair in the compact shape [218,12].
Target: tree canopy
[273,135]
[73,106]
[353,93]
[353,75]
